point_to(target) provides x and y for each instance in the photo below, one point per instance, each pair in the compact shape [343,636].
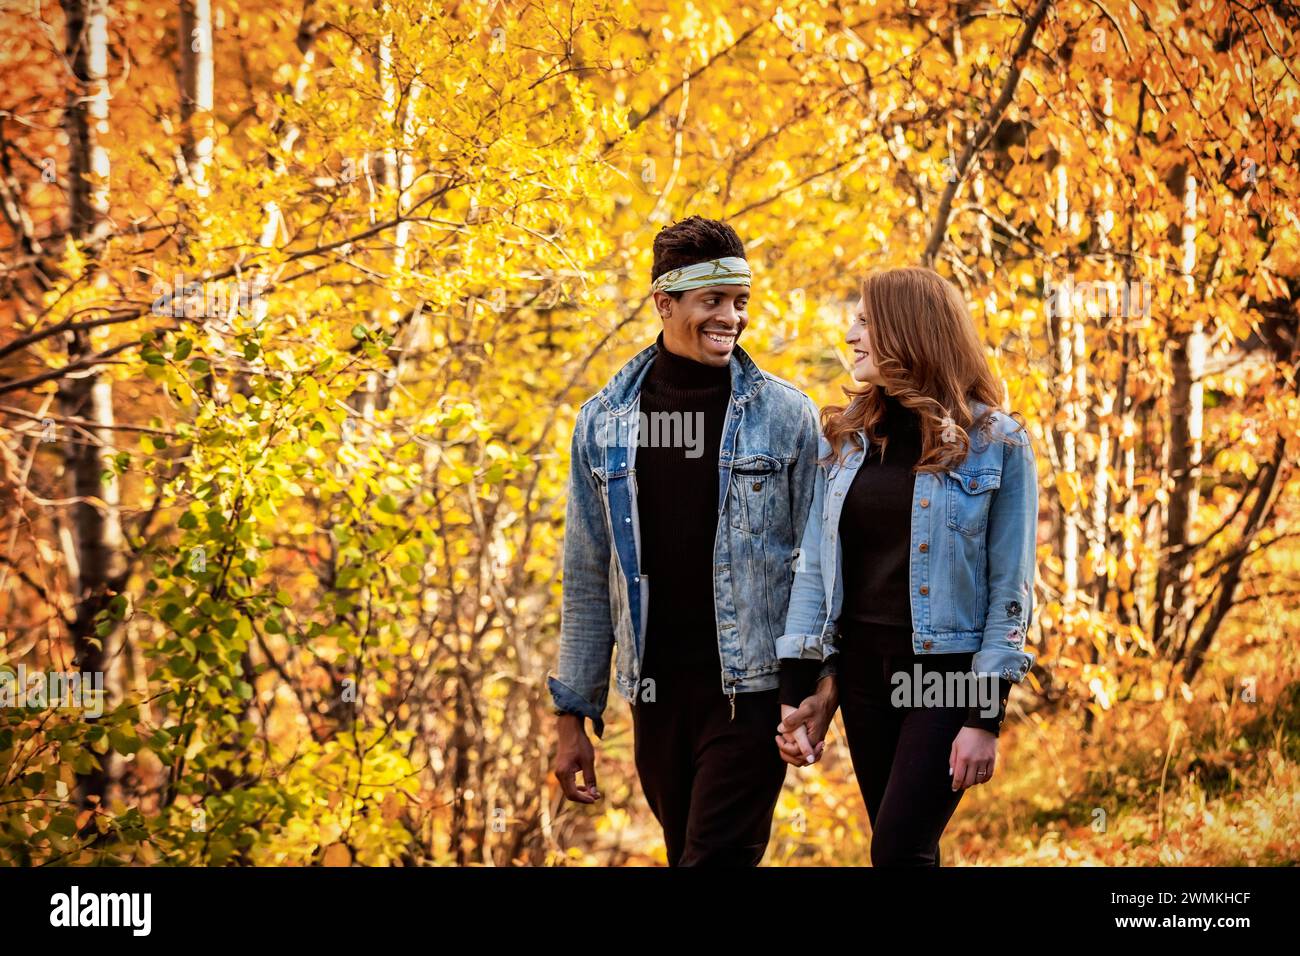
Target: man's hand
[573,754]
[801,735]
[972,758]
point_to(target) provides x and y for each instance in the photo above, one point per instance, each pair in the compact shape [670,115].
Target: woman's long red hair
[924,343]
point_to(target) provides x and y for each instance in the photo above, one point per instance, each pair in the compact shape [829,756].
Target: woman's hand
[972,758]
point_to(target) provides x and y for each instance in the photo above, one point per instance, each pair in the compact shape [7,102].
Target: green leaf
[123,742]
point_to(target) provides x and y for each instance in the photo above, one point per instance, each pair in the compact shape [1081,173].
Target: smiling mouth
[721,338]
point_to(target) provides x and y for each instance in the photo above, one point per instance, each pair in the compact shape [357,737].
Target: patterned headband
[729,270]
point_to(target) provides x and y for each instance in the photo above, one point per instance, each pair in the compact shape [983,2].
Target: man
[690,481]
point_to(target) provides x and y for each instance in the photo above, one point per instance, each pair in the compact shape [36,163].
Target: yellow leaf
[337,854]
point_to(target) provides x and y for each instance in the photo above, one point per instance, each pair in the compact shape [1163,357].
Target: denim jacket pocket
[969,499]
[752,480]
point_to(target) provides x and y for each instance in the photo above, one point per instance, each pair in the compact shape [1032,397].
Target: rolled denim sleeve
[580,682]
[806,617]
[1012,551]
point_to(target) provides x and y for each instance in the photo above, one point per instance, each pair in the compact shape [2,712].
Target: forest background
[299,303]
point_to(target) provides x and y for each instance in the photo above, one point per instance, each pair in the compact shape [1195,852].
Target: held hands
[972,758]
[802,731]
[801,752]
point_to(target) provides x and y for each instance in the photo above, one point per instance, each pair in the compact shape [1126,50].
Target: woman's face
[864,363]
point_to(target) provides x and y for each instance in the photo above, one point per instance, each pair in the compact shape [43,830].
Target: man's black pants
[712,782]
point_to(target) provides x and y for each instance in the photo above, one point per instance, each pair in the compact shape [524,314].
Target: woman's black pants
[900,753]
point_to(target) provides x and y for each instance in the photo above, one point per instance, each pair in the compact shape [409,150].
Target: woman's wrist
[979,717]
[798,679]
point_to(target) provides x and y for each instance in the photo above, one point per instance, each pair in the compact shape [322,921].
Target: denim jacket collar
[857,455]
[624,388]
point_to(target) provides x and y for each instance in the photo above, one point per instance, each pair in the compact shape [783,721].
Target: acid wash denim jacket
[766,469]
[973,552]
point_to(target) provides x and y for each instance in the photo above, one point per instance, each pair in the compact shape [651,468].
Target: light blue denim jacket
[973,551]
[766,468]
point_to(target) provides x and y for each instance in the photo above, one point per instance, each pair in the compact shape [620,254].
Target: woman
[916,566]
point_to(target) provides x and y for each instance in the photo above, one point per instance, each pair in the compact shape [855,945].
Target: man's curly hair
[694,239]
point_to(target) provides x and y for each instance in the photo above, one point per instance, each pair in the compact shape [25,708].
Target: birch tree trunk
[196,81]
[97,564]
[1186,401]
[397,172]
[1065,339]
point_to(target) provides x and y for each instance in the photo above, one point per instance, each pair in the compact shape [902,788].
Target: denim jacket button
[927,644]
[924,589]
[925,502]
[923,547]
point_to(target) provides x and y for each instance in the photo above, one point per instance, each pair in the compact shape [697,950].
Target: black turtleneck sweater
[684,406]
[876,534]
[875,541]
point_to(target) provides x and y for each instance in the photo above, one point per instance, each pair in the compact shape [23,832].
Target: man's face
[704,324]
